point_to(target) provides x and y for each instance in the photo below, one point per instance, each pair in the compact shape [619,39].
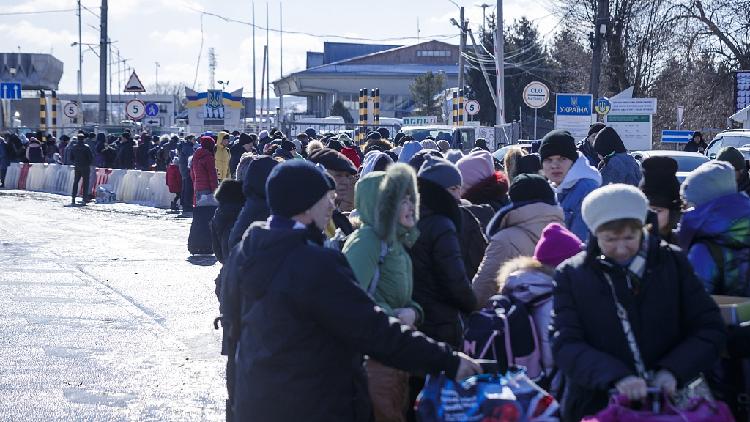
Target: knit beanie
[374,135]
[556,245]
[475,167]
[429,144]
[332,160]
[453,155]
[263,134]
[529,164]
[294,186]
[732,156]
[608,142]
[288,145]
[245,139]
[443,145]
[311,133]
[531,188]
[418,159]
[352,155]
[375,161]
[384,133]
[613,202]
[558,142]
[596,128]
[711,180]
[409,149]
[440,171]
[659,183]
[334,144]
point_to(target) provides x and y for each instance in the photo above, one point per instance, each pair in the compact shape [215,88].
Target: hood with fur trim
[230,191]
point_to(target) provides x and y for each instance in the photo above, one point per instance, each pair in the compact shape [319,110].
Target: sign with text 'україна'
[574,113]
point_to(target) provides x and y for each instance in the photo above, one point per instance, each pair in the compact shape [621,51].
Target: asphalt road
[102,316]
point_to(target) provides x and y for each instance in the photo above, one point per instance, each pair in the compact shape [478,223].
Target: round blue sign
[152,110]
[602,106]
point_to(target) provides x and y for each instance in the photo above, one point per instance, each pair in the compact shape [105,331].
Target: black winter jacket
[231,199]
[676,324]
[81,155]
[472,240]
[304,324]
[125,155]
[254,188]
[441,285]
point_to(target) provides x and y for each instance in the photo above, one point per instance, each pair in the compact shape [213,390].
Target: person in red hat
[203,171]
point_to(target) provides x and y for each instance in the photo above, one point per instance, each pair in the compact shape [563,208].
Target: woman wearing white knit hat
[629,313]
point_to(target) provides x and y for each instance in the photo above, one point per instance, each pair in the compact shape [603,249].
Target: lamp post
[11,124]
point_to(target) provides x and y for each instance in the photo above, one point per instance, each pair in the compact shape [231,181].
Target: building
[342,69]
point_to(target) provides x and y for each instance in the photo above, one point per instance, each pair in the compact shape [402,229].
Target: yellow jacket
[222,157]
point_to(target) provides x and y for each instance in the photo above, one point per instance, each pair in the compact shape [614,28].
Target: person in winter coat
[571,175]
[109,155]
[254,189]
[387,204]
[4,161]
[101,143]
[716,231]
[83,158]
[481,183]
[143,152]
[343,172]
[616,165]
[203,170]
[231,199]
[629,312]
[587,145]
[662,189]
[64,140]
[281,279]
[441,285]
[174,182]
[34,152]
[223,156]
[185,152]
[125,152]
[50,149]
[515,230]
[245,143]
[696,144]
[734,157]
[530,280]
[408,150]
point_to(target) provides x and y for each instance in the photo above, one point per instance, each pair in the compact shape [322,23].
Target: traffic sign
[71,110]
[536,95]
[10,91]
[152,109]
[152,121]
[134,84]
[574,105]
[135,109]
[472,107]
[676,136]
[602,106]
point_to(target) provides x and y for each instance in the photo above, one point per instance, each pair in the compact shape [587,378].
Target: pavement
[103,317]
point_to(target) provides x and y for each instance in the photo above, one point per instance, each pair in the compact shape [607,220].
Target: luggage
[199,240]
[658,408]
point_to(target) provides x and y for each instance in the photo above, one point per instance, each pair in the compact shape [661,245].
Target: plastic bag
[105,195]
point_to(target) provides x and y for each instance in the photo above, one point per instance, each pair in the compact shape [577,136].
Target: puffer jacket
[254,189]
[377,198]
[174,180]
[230,198]
[222,158]
[126,155]
[676,324]
[203,171]
[580,181]
[472,241]
[621,168]
[34,152]
[717,238]
[441,285]
[514,232]
[281,280]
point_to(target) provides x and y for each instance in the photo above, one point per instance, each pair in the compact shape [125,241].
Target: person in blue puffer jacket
[616,165]
[571,176]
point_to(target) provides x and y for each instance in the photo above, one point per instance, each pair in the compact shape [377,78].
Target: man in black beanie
[282,280]
[616,165]
[662,189]
[734,157]
[586,146]
[245,143]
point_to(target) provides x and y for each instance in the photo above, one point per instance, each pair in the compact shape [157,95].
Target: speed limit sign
[472,107]
[135,109]
[70,110]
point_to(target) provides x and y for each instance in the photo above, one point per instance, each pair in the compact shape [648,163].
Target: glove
[633,387]
[665,381]
[467,367]
[407,316]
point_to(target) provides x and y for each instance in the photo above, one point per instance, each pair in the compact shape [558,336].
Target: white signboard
[420,120]
[135,109]
[634,129]
[633,106]
[578,126]
[536,95]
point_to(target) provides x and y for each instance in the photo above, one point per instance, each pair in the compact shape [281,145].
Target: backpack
[504,332]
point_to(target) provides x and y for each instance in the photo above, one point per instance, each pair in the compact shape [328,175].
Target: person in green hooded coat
[387,204]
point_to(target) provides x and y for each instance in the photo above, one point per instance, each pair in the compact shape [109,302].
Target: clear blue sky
[169,32]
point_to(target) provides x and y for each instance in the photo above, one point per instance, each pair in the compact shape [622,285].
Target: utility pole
[484,7]
[268,69]
[281,62]
[79,118]
[462,50]
[157,76]
[500,65]
[597,40]
[255,96]
[103,65]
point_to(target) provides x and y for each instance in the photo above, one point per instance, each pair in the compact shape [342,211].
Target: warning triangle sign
[134,84]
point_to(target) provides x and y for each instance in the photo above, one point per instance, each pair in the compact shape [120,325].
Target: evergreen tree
[424,91]
[338,109]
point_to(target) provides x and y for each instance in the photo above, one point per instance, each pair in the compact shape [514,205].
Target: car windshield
[422,134]
[735,140]
[688,163]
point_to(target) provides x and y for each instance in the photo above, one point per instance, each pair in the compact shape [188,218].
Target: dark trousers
[187,194]
[81,173]
[3,172]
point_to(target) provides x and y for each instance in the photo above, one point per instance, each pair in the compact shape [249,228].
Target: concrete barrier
[50,174]
[141,195]
[23,176]
[127,192]
[11,177]
[35,179]
[159,191]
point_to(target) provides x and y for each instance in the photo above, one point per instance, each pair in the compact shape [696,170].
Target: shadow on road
[202,260]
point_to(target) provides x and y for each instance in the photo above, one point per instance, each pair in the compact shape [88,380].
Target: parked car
[500,154]
[731,138]
[686,161]
[460,138]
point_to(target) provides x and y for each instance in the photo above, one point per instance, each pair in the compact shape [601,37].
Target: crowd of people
[348,271]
